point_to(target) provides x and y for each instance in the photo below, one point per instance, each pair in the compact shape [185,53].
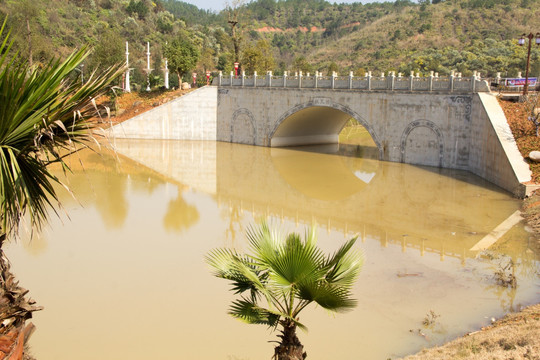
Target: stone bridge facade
[451,128]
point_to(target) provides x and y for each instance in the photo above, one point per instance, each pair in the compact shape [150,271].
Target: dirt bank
[516,336]
[128,105]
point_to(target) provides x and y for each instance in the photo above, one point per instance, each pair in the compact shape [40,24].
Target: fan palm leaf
[42,119]
[289,273]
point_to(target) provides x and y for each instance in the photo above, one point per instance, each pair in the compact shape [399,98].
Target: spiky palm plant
[281,276]
[42,120]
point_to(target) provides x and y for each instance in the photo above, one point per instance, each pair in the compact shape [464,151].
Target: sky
[218,5]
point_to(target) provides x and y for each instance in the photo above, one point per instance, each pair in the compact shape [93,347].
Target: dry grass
[131,104]
[516,336]
[524,132]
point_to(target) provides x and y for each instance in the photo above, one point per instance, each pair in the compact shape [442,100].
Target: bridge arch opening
[315,124]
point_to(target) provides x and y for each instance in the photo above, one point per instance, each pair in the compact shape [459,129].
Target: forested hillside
[45,29]
[462,35]
[307,35]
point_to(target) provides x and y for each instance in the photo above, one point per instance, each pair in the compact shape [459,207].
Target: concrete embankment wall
[190,117]
[494,152]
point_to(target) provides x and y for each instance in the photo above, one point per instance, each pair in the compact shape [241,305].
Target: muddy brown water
[123,276]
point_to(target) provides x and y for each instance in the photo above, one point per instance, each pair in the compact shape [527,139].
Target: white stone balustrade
[453,83]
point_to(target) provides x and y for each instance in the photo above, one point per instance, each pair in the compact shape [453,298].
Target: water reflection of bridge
[395,204]
[363,231]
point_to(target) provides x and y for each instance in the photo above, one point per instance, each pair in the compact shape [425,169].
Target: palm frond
[290,272]
[296,262]
[264,243]
[328,296]
[224,263]
[248,311]
[344,265]
[42,119]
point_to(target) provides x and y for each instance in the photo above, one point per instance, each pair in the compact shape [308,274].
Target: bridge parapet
[473,84]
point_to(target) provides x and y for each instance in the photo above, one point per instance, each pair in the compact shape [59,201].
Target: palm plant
[42,120]
[281,276]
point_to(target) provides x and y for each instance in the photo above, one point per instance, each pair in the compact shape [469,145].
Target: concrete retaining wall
[190,117]
[494,152]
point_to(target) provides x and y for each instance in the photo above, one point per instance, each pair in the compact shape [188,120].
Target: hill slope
[308,35]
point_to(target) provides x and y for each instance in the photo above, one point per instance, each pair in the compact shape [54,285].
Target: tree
[108,51]
[232,19]
[282,276]
[225,63]
[332,68]
[140,8]
[25,11]
[301,64]
[42,120]
[182,56]
[258,58]
[165,22]
[208,59]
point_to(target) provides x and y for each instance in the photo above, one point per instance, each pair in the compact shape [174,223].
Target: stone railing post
[334,75]
[243,77]
[369,80]
[300,80]
[254,79]
[452,81]
[411,81]
[316,79]
[220,76]
[284,79]
[351,74]
[392,80]
[431,81]
[473,83]
[269,78]
[231,78]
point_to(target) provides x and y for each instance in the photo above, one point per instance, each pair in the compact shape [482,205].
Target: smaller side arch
[240,134]
[423,123]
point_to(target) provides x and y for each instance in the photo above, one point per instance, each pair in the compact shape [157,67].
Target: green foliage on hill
[307,35]
[440,36]
[44,29]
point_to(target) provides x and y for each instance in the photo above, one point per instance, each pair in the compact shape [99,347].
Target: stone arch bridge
[450,128]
